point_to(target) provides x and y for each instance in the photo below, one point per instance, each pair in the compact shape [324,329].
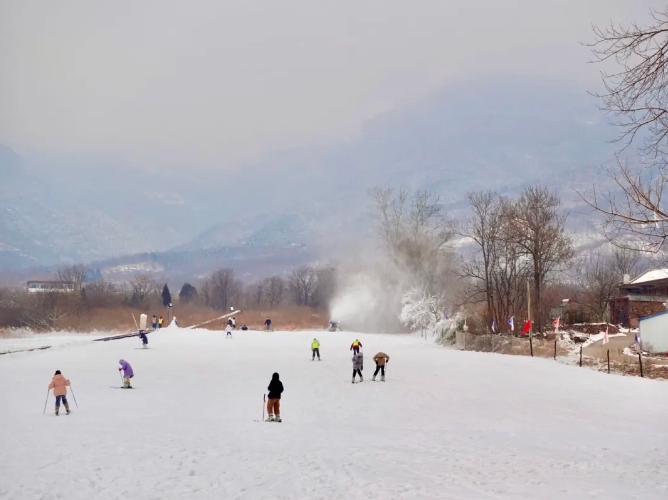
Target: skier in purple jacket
[127,373]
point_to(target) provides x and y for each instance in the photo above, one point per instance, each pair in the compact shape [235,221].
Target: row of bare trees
[305,286]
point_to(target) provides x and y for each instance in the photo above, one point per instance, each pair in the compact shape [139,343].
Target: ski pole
[74,397]
[45,402]
[264,400]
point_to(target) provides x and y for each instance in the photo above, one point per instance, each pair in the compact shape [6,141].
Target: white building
[654,332]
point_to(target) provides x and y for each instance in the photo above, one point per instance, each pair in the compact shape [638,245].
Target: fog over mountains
[302,205]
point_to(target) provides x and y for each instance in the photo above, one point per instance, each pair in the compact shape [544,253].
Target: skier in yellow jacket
[315,349]
[381,360]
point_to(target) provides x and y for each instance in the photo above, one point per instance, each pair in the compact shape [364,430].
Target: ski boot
[373,379]
[57,410]
[270,418]
[361,378]
[382,378]
[277,418]
[67,408]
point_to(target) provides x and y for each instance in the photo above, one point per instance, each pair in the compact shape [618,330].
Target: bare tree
[73,274]
[142,286]
[598,281]
[100,294]
[275,290]
[636,96]
[626,261]
[484,229]
[497,271]
[224,288]
[257,293]
[414,233]
[302,283]
[44,310]
[536,224]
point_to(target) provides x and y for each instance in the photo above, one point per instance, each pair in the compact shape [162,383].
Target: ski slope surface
[445,425]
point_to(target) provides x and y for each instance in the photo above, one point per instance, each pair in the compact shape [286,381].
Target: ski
[116,387]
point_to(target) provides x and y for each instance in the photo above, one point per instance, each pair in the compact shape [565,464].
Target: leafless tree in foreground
[637,96]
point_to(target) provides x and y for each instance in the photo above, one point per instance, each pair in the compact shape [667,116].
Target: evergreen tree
[166,296]
[187,293]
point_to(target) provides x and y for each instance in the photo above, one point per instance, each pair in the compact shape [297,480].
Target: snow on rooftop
[656,274]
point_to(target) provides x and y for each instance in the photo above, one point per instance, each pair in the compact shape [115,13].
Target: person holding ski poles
[59,385]
[315,349]
[274,399]
[381,360]
[128,373]
[358,365]
[355,346]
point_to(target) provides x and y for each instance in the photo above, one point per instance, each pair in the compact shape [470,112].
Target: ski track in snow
[445,425]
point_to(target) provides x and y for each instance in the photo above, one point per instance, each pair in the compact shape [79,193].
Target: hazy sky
[220,82]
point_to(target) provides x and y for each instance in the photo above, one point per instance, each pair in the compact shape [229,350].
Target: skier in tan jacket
[380,359]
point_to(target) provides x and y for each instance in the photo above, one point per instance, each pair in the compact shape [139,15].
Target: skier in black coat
[274,399]
[144,339]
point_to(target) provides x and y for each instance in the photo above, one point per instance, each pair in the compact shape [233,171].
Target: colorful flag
[511,322]
[556,324]
[605,335]
[527,327]
[494,326]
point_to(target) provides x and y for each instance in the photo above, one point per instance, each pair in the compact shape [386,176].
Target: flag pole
[529,316]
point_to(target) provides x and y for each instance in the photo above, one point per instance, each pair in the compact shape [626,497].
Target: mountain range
[301,205]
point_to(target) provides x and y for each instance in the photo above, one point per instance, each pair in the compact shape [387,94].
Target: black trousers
[381,369]
[357,372]
[316,351]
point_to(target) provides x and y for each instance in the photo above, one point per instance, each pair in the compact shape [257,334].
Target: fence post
[608,360]
[555,349]
[580,355]
[531,343]
[640,360]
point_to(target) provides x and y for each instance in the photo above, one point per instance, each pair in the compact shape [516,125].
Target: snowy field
[445,425]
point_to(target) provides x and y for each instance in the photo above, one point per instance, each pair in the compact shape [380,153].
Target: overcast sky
[218,83]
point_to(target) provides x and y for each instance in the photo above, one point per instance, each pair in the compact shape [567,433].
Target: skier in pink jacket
[59,385]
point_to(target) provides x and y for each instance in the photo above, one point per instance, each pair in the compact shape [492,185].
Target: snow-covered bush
[424,313]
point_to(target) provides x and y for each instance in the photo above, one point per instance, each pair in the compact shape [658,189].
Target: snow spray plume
[369,294]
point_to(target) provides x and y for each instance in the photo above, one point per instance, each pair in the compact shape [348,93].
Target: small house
[654,332]
[644,296]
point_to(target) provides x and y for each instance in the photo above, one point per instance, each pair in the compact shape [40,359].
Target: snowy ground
[446,424]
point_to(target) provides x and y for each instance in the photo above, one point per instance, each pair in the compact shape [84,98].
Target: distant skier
[144,340]
[160,322]
[315,349]
[174,322]
[267,323]
[244,328]
[230,324]
[358,365]
[128,373]
[154,322]
[355,346]
[234,323]
[381,360]
[59,385]
[274,399]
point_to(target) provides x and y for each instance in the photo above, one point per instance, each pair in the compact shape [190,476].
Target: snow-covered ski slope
[445,425]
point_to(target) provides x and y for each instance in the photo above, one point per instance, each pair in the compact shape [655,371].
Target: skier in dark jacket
[267,323]
[144,340]
[274,399]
